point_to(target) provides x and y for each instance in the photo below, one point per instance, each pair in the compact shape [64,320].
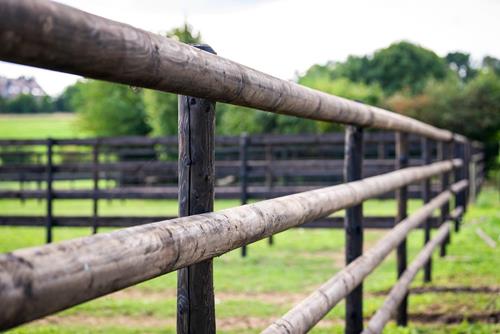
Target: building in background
[10,88]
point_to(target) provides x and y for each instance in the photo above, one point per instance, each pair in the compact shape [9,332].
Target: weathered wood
[83,269]
[426,197]
[243,177]
[48,191]
[402,212]
[401,288]
[375,222]
[459,174]
[108,50]
[195,287]
[95,177]
[353,163]
[302,317]
[444,153]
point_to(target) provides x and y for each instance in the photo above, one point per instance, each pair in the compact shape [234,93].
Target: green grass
[57,125]
[261,287]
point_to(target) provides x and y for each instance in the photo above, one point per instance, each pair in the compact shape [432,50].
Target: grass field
[251,292]
[34,126]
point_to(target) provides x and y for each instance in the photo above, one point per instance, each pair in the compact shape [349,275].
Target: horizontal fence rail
[311,310]
[128,55]
[400,289]
[83,269]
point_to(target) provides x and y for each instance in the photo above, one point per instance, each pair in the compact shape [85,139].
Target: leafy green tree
[63,101]
[160,107]
[460,63]
[491,64]
[107,109]
[472,109]
[22,104]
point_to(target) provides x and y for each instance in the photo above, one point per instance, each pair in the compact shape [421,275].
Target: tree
[64,101]
[160,107]
[472,109]
[460,63]
[108,109]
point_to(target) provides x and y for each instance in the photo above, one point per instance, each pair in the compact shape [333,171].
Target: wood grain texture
[40,281]
[353,164]
[401,288]
[402,157]
[195,287]
[303,316]
[426,197]
[68,40]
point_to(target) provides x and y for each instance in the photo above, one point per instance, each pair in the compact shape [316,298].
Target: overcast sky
[283,38]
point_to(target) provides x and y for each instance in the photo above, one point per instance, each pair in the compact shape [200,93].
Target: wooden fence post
[269,178]
[426,197]
[244,141]
[49,194]
[353,161]
[95,193]
[444,154]
[402,212]
[195,294]
[467,149]
[459,174]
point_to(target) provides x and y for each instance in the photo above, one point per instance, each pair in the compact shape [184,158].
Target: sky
[285,37]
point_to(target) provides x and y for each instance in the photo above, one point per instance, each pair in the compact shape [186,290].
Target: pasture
[34,126]
[252,292]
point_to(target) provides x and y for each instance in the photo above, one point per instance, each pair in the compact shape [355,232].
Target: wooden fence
[40,281]
[248,167]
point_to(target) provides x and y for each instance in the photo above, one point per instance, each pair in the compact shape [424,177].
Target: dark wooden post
[467,159]
[353,162]
[49,194]
[458,176]
[95,193]
[402,212]
[244,141]
[195,293]
[444,154]
[269,178]
[426,197]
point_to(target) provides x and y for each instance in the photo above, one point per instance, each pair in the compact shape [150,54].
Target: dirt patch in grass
[447,289]
[265,297]
[487,317]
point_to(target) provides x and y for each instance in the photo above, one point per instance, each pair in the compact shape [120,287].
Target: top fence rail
[65,39]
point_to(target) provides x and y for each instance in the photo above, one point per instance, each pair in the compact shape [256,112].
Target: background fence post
[426,197]
[467,150]
[95,193]
[269,177]
[402,212]
[243,177]
[49,193]
[195,294]
[444,154]
[353,161]
[458,176]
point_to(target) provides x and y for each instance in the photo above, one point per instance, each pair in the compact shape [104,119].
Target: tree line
[452,92]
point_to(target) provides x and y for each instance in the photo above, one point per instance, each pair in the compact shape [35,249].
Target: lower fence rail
[311,310]
[400,289]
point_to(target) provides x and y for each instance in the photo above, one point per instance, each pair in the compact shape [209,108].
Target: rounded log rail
[400,289]
[35,282]
[65,39]
[311,310]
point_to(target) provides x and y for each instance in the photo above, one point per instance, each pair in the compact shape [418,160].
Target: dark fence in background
[247,167]
[40,281]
